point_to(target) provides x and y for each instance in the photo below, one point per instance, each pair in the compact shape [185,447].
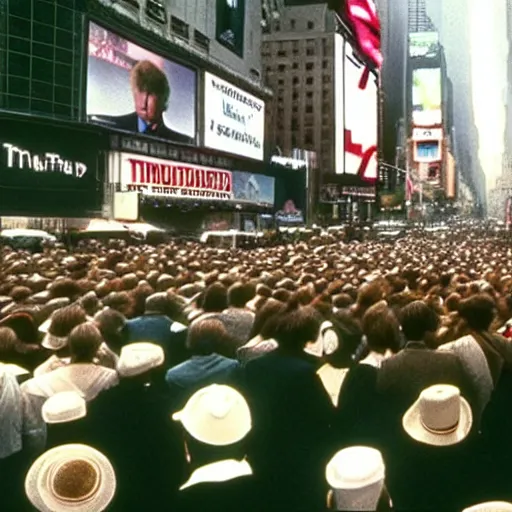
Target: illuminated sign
[47,162]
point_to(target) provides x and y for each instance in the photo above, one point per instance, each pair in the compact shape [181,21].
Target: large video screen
[426,97]
[361,111]
[132,89]
[234,120]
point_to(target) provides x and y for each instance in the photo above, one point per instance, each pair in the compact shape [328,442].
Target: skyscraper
[419,21]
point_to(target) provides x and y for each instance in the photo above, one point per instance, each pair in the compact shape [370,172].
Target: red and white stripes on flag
[409,187]
[362,15]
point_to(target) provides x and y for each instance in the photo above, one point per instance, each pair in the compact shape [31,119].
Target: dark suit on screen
[130,123]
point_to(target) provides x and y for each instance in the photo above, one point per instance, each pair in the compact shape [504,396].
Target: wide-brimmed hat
[217,415]
[138,358]
[356,476]
[440,416]
[64,407]
[52,342]
[490,506]
[71,477]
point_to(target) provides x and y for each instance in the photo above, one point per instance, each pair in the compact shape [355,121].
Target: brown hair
[84,342]
[381,328]
[146,77]
[64,320]
[208,336]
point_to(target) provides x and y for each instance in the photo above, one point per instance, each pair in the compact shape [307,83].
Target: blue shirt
[142,125]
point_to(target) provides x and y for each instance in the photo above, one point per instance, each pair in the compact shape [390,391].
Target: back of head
[239,294]
[417,320]
[215,298]
[271,309]
[296,327]
[381,328]
[112,325]
[478,311]
[158,304]
[208,336]
[64,320]
[84,342]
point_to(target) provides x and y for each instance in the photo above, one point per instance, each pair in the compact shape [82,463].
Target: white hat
[326,343]
[440,416]
[139,358]
[356,476]
[490,506]
[217,415]
[64,407]
[71,477]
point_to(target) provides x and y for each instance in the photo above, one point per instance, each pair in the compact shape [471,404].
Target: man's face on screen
[147,106]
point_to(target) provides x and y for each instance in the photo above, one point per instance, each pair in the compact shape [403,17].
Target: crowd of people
[316,375]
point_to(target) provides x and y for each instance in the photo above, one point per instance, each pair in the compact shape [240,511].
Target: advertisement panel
[423,134]
[450,186]
[253,188]
[156,177]
[234,121]
[361,113]
[230,24]
[427,151]
[423,44]
[132,89]
[290,197]
[49,171]
[426,97]
[339,104]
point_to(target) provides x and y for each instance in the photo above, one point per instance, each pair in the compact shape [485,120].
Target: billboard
[339,104]
[426,97]
[156,177]
[450,180]
[253,188]
[234,121]
[423,44]
[132,89]
[230,24]
[49,171]
[361,114]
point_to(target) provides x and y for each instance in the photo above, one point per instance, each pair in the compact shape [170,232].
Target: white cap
[139,358]
[64,407]
[217,415]
[71,477]
[356,476]
[490,506]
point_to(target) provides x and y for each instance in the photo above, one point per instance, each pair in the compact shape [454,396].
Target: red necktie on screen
[362,15]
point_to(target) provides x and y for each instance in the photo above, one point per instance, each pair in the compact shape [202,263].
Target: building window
[309,80]
[281,53]
[309,66]
[308,138]
[326,79]
[295,95]
[156,11]
[295,65]
[311,25]
[203,41]
[292,24]
[295,109]
[325,64]
[295,79]
[281,68]
[179,27]
[277,26]
[309,109]
[280,81]
[310,52]
[309,94]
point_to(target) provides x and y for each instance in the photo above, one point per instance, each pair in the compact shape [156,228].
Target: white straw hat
[490,506]
[71,477]
[356,476]
[217,415]
[139,358]
[64,407]
[440,416]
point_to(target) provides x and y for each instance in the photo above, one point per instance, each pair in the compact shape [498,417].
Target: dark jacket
[132,426]
[289,445]
[199,371]
[404,376]
[159,329]
[129,123]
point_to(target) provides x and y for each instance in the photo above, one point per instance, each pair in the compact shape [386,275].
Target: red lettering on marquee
[174,175]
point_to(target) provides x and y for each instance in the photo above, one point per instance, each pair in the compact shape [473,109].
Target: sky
[489,53]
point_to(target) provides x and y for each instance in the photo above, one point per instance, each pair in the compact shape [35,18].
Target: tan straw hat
[138,358]
[217,415]
[71,477]
[440,416]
